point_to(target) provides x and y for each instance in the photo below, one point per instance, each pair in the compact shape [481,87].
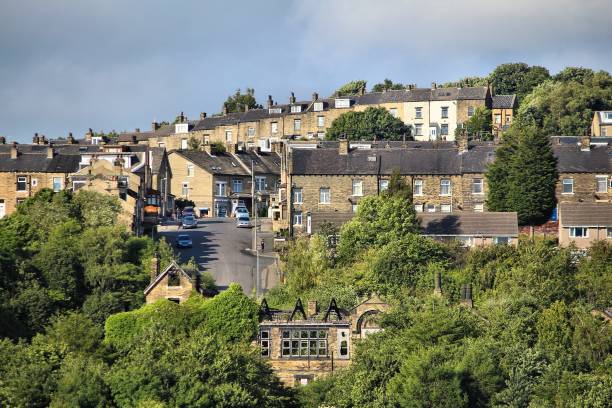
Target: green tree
[470,81]
[398,187]
[351,88]
[387,85]
[594,277]
[238,101]
[523,176]
[306,263]
[578,74]
[193,143]
[517,78]
[370,124]
[479,124]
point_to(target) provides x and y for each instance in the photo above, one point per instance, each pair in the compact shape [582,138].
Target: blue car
[183,241]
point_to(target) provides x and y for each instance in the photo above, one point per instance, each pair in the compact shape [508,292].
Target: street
[219,247]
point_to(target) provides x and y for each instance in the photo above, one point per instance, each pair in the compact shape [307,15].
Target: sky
[70,65]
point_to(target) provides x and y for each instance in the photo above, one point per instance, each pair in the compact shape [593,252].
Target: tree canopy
[517,78]
[238,101]
[369,124]
[351,88]
[387,85]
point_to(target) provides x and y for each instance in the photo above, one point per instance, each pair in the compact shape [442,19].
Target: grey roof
[158,155]
[467,223]
[37,162]
[585,214]
[570,159]
[222,163]
[263,162]
[504,102]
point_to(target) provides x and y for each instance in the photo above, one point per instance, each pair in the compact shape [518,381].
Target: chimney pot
[137,130]
[434,85]
[343,146]
[270,102]
[154,266]
[154,126]
[134,139]
[292,98]
[315,96]
[312,308]
[225,110]
[202,115]
[14,152]
[50,152]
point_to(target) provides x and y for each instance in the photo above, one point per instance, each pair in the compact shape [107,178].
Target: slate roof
[504,102]
[222,163]
[572,160]
[467,223]
[264,162]
[585,214]
[37,162]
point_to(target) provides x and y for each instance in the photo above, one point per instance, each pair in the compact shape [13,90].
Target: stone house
[305,344]
[581,224]
[502,112]
[218,182]
[472,229]
[173,283]
[602,124]
[27,169]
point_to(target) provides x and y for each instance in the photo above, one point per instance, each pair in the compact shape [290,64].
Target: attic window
[174,279]
[296,108]
[371,158]
[318,106]
[273,111]
[82,149]
[343,103]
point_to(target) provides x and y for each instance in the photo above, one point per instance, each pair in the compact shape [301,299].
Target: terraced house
[431,113]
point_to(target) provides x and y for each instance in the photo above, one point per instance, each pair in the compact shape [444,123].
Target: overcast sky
[67,65]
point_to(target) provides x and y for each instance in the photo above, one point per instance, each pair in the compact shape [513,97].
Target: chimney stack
[70,138]
[224,109]
[137,130]
[2,140]
[438,284]
[89,135]
[14,152]
[182,118]
[50,152]
[134,139]
[434,85]
[292,98]
[154,266]
[362,90]
[202,115]
[36,139]
[154,126]
[270,102]
[343,146]
[315,96]
[311,308]
[466,296]
[585,144]
[462,142]
[246,107]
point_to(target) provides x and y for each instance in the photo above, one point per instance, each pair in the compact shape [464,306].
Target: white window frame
[320,121]
[430,208]
[479,207]
[445,184]
[357,187]
[446,208]
[260,183]
[444,112]
[318,107]
[185,189]
[298,195]
[502,240]
[418,112]
[296,108]
[497,118]
[34,182]
[220,188]
[444,129]
[418,208]
[418,129]
[184,144]
[58,181]
[190,170]
[237,183]
[24,180]
[297,125]
[417,187]
[478,183]
[609,232]
[470,111]
[572,232]
[274,127]
[251,131]
[598,180]
[383,185]
[568,181]
[324,195]
[297,218]
[393,112]
[229,137]
[342,103]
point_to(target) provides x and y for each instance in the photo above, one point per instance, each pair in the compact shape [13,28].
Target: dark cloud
[111,64]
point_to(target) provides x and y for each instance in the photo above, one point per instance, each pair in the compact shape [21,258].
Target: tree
[517,78]
[467,82]
[370,124]
[523,176]
[387,85]
[238,101]
[578,74]
[479,124]
[351,88]
[594,277]
[193,143]
[398,187]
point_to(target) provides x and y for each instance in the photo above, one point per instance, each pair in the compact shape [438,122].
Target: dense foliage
[387,85]
[523,176]
[238,101]
[351,88]
[369,124]
[479,124]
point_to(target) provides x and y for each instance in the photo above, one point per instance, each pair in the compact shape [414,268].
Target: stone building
[218,182]
[472,229]
[581,224]
[602,124]
[502,112]
[173,283]
[305,344]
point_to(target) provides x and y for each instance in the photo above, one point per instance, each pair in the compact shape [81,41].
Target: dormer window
[343,103]
[296,109]
[275,111]
[181,128]
[318,106]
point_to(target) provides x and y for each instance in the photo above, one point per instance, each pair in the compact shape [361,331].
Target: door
[2,209]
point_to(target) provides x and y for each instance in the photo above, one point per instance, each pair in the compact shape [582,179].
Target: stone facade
[12,183]
[173,283]
[601,125]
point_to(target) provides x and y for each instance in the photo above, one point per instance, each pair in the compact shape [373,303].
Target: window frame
[59,182]
[185,189]
[420,183]
[237,182]
[572,232]
[470,111]
[444,112]
[317,107]
[444,129]
[294,344]
[21,180]
[564,184]
[598,179]
[273,127]
[320,121]
[298,219]
[265,350]
[383,185]
[297,125]
[359,184]
[446,183]
[190,170]
[418,112]
[184,144]
[418,129]
[219,184]
[446,208]
[325,195]
[298,192]
[478,182]
[260,183]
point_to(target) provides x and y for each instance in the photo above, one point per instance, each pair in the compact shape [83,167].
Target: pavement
[224,250]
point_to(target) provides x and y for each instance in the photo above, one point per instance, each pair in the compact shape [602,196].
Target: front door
[2,209]
[308,224]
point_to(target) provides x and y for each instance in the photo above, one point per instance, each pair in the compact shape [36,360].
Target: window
[568,186]
[237,186]
[608,115]
[181,128]
[354,208]
[579,232]
[161,144]
[321,121]
[297,124]
[264,343]
[22,183]
[609,233]
[444,112]
[478,207]
[228,136]
[343,343]
[320,135]
[174,279]
[501,240]
[418,208]
[220,188]
[470,111]
[602,184]
[324,195]
[190,170]
[260,183]
[383,185]
[445,187]
[508,118]
[318,106]
[477,186]
[296,109]
[185,189]
[466,241]
[275,111]
[57,184]
[445,208]
[497,118]
[297,195]
[357,187]
[297,218]
[418,187]
[183,144]
[418,112]
[304,343]
[34,182]
[343,103]
[274,127]
[250,131]
[444,130]
[431,208]
[418,129]
[393,112]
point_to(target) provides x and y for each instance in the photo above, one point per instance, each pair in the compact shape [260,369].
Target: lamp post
[255,247]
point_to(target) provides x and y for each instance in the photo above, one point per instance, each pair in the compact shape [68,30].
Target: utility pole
[255,247]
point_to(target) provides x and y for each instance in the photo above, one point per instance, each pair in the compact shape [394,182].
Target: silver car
[243,221]
[189,221]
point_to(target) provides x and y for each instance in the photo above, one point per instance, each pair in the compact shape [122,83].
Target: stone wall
[34,183]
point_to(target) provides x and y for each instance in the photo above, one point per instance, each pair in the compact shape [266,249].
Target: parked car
[243,221]
[189,211]
[222,213]
[189,221]
[183,241]
[241,211]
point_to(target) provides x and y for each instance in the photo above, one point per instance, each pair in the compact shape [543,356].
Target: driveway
[220,249]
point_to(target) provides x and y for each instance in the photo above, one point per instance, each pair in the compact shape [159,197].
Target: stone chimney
[134,139]
[343,146]
[70,138]
[202,115]
[89,135]
[154,126]
[292,98]
[50,152]
[154,266]
[36,139]
[362,90]
[434,85]
[315,96]
[585,143]
[246,107]
[118,163]
[466,296]
[224,109]
[311,308]
[2,140]
[462,142]
[14,152]
[438,284]
[182,118]
[270,102]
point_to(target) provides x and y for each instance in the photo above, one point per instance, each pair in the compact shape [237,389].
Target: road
[220,248]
